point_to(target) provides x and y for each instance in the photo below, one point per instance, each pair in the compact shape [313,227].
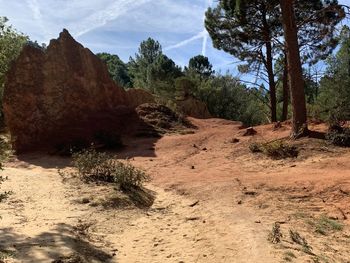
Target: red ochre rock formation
[64,93]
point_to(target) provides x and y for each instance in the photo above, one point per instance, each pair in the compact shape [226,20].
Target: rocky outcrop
[193,107]
[62,94]
[137,97]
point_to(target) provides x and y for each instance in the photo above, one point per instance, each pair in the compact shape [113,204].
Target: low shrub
[256,147]
[275,149]
[91,165]
[275,235]
[5,152]
[339,136]
[323,225]
[298,239]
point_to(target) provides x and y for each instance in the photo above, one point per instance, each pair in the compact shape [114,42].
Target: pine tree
[247,33]
[247,29]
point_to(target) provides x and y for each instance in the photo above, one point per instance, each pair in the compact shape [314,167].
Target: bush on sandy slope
[275,149]
[5,151]
[91,165]
[162,118]
[339,136]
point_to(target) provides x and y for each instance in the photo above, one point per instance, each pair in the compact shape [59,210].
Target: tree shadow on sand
[139,144]
[48,246]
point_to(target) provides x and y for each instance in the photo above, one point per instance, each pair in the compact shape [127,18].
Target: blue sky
[118,26]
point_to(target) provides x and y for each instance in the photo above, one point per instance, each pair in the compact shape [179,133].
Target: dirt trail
[42,219]
[38,219]
[215,202]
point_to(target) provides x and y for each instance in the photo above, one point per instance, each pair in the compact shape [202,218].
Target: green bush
[5,152]
[256,147]
[184,86]
[91,165]
[275,149]
[339,136]
[323,225]
[334,97]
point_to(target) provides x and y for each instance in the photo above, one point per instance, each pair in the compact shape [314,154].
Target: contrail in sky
[205,37]
[203,34]
[186,41]
[102,17]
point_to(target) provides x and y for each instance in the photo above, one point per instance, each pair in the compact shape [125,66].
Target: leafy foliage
[5,152]
[117,69]
[227,98]
[317,21]
[323,225]
[251,31]
[152,70]
[243,36]
[11,43]
[248,34]
[275,149]
[184,86]
[201,65]
[334,95]
[339,136]
[91,165]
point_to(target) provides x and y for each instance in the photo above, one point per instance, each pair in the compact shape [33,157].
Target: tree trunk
[295,76]
[269,66]
[285,91]
[272,83]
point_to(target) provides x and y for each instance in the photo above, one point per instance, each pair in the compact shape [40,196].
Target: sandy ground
[215,202]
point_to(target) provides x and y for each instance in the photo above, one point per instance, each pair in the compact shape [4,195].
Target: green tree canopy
[227,98]
[11,44]
[251,30]
[200,65]
[334,95]
[117,69]
[248,34]
[152,70]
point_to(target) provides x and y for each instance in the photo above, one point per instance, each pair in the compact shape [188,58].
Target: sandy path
[237,196]
[181,233]
[41,217]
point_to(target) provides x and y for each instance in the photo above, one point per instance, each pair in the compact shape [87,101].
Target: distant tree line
[225,96]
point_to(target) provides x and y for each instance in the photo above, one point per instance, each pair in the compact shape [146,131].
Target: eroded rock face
[61,94]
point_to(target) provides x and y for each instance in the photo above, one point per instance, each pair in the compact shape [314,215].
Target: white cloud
[34,6]
[37,15]
[186,41]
